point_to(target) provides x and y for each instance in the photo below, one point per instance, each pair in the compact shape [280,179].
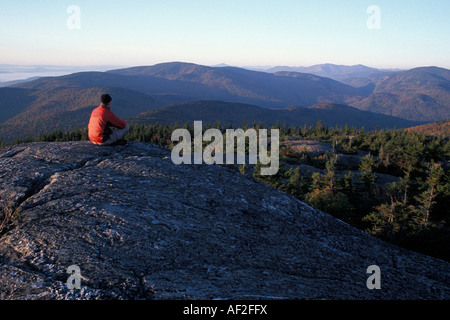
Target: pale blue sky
[237,32]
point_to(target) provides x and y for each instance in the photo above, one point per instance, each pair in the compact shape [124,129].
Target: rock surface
[140,227]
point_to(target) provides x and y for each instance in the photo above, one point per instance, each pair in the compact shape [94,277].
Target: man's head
[106,100]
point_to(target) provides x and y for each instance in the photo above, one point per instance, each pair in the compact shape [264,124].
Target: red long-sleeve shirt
[101,119]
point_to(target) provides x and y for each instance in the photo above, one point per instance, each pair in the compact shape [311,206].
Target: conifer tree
[426,199]
[367,174]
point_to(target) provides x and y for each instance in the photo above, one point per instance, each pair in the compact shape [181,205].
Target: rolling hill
[235,113]
[201,82]
[276,90]
[421,94]
[438,128]
[62,108]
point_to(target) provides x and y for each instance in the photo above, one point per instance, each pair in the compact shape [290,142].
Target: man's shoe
[120,142]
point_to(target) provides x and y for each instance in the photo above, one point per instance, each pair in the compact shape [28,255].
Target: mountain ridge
[332,115]
[250,86]
[424,92]
[334,71]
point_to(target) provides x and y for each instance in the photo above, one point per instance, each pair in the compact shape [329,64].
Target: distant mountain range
[170,90]
[335,72]
[240,85]
[11,74]
[420,94]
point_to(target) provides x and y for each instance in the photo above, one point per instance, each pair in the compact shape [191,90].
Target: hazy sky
[237,32]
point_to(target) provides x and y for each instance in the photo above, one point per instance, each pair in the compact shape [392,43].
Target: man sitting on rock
[101,121]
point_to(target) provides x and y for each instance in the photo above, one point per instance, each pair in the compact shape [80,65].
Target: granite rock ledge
[140,227]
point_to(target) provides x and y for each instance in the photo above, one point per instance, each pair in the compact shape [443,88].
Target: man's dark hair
[105,99]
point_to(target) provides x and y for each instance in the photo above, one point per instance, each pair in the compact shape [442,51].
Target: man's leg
[116,135]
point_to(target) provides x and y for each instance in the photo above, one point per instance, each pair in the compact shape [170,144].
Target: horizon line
[215,65]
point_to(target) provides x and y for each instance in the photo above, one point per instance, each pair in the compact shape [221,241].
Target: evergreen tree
[426,199]
[295,183]
[405,182]
[389,219]
[366,171]
[330,176]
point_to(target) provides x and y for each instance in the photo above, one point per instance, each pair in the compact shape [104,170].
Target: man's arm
[115,121]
